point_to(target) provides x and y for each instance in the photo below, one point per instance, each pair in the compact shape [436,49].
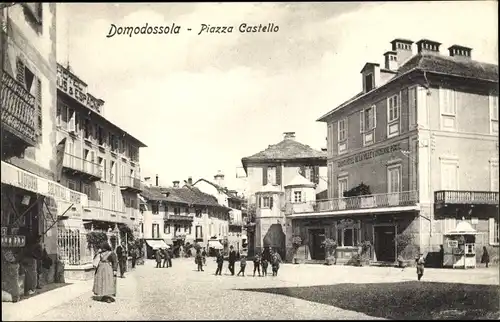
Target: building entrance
[316,238]
[385,248]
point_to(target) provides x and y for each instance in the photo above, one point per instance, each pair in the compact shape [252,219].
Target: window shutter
[20,74]
[260,201]
[374,109]
[39,104]
[491,230]
[264,175]
[278,175]
[271,199]
[316,174]
[302,171]
[362,121]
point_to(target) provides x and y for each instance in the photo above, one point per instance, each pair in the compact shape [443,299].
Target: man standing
[122,259]
[135,255]
[220,262]
[166,257]
[232,259]
[204,256]
[170,256]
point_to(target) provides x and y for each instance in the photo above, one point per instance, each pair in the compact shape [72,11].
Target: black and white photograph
[249,161]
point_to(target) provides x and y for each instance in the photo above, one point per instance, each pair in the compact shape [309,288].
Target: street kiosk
[459,246]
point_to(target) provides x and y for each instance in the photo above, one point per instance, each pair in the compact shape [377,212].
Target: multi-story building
[97,157]
[237,236]
[179,215]
[273,168]
[33,203]
[412,153]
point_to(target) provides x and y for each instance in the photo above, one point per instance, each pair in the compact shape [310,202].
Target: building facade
[33,203]
[275,167]
[96,157]
[237,236]
[412,153]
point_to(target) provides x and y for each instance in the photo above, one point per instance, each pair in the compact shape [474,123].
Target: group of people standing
[163,257]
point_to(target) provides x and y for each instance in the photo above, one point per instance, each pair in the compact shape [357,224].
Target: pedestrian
[220,262]
[105,274]
[164,256]
[265,263]
[232,259]
[256,264]
[204,256]
[420,265]
[121,253]
[34,265]
[170,256]
[158,258]
[275,263]
[485,259]
[199,260]
[243,265]
[134,254]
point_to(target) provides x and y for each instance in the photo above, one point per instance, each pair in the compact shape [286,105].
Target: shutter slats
[362,121]
[491,230]
[264,176]
[20,72]
[278,175]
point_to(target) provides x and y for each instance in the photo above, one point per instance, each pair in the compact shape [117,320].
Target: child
[420,265]
[265,263]
[275,264]
[256,264]
[243,265]
[220,262]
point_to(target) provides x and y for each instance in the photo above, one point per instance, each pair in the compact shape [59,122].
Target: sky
[202,102]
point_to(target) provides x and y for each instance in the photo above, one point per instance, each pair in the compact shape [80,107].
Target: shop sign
[20,178]
[368,155]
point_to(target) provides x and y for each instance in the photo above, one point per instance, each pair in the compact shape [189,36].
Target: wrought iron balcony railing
[397,199]
[466,197]
[130,182]
[83,166]
[18,110]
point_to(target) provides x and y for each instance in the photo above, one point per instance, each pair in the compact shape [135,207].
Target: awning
[157,243]
[215,244]
[361,212]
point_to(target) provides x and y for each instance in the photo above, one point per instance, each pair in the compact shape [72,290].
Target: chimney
[391,60]
[219,179]
[427,46]
[403,49]
[289,135]
[371,76]
[176,183]
[460,52]
[324,149]
[157,180]
[190,181]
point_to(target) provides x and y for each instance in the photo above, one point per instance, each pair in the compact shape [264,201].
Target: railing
[236,222]
[466,197]
[18,110]
[405,198]
[73,247]
[129,181]
[82,165]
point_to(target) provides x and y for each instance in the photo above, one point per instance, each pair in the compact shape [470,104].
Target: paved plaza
[182,293]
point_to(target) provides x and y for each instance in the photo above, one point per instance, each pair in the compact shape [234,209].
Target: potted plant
[330,246]
[296,243]
[403,241]
[364,251]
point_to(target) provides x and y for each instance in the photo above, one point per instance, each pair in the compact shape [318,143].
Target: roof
[434,63]
[286,150]
[185,195]
[299,180]
[152,193]
[220,189]
[463,228]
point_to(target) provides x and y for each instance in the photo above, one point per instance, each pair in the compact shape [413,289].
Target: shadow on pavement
[405,300]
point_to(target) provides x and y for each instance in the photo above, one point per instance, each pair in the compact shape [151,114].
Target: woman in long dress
[105,275]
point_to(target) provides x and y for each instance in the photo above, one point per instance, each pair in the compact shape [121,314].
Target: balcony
[131,184]
[18,114]
[78,166]
[178,217]
[453,197]
[385,200]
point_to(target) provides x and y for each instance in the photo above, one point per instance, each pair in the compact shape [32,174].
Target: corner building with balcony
[413,153]
[96,157]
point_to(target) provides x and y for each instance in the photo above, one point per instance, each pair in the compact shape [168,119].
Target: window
[189,230]
[35,11]
[493,102]
[266,202]
[177,211]
[199,232]
[342,186]
[494,176]
[493,231]
[155,208]
[368,122]
[393,116]
[348,236]
[368,82]
[186,228]
[297,196]
[342,136]
[71,185]
[87,129]
[394,179]
[86,189]
[449,174]
[447,104]
[412,106]
[271,175]
[100,136]
[156,231]
[198,213]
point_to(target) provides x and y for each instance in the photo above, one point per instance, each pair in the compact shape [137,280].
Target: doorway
[385,247]
[317,237]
